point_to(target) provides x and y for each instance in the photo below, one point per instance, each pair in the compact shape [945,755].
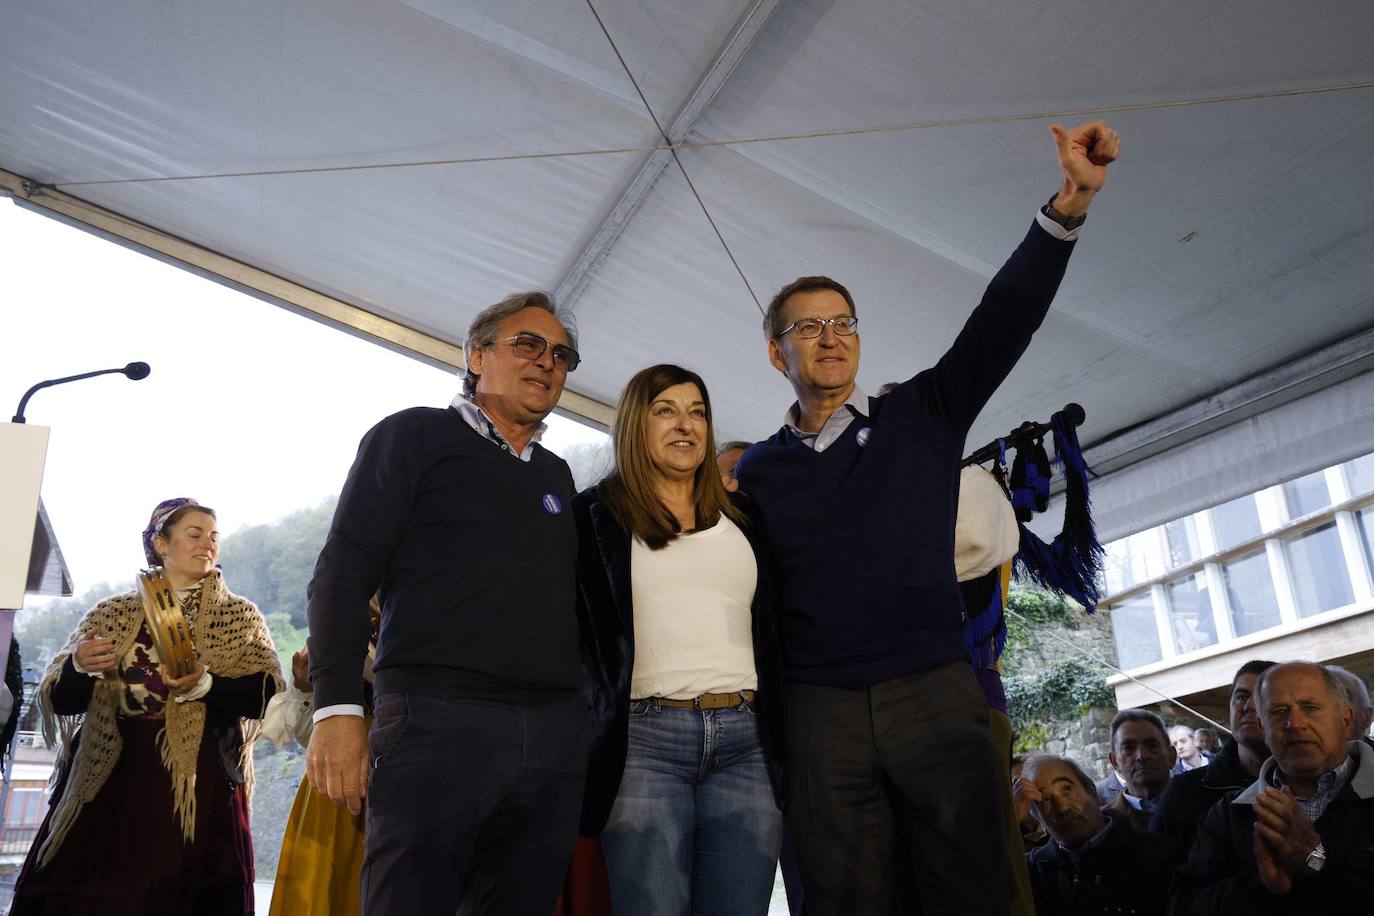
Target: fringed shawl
[231,640]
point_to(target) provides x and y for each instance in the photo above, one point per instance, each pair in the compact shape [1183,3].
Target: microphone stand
[134,371]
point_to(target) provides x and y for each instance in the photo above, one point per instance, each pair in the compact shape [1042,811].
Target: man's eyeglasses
[532,346]
[809,328]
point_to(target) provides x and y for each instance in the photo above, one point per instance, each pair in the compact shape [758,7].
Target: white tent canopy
[394,167]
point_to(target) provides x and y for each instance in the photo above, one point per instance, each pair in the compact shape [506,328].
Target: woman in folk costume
[684,666]
[150,807]
[321,862]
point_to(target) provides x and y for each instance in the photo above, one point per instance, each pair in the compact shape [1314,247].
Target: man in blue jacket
[888,730]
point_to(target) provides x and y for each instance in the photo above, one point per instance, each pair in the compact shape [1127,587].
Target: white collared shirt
[856,405]
[477,418]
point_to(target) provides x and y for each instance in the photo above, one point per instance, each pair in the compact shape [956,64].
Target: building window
[1136,633]
[1365,518]
[1190,613]
[1320,578]
[1307,494]
[1360,473]
[1305,559]
[1250,591]
[1236,522]
[26,808]
[1182,537]
[1126,564]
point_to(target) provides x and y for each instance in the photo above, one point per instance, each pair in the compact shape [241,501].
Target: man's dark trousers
[473,805]
[911,757]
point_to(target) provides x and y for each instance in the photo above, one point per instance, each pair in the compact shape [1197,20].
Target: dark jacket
[1108,788]
[607,636]
[1118,871]
[1220,875]
[1190,795]
[1140,821]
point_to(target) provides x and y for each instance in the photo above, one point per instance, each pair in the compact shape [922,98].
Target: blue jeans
[695,830]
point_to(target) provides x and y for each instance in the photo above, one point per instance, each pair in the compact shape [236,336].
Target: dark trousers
[908,759]
[473,806]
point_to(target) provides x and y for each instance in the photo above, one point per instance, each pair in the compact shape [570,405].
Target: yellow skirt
[321,859]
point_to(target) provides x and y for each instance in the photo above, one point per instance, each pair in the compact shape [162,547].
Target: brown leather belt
[710,700]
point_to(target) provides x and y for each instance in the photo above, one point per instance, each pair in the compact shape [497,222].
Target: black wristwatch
[1070,223]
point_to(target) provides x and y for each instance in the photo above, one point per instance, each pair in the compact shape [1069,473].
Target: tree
[271,565]
[589,461]
[43,631]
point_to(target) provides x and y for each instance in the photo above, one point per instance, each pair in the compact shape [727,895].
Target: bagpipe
[1071,563]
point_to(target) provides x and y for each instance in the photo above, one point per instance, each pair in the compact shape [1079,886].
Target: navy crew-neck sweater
[862,534]
[475,554]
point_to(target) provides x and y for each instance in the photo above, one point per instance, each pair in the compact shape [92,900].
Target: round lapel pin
[861,437]
[551,504]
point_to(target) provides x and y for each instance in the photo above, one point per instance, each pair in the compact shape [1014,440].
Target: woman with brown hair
[685,680]
[150,811]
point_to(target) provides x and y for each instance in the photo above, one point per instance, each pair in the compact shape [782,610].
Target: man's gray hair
[1035,762]
[1354,687]
[731,445]
[482,332]
[1175,729]
[1335,685]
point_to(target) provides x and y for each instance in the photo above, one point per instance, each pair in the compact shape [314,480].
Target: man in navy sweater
[479,745]
[888,730]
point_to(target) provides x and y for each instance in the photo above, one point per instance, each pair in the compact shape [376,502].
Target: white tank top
[693,615]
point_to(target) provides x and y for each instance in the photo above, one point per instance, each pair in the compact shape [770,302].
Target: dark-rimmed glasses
[809,328]
[528,345]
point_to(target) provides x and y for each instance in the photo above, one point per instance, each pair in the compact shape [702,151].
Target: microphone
[134,371]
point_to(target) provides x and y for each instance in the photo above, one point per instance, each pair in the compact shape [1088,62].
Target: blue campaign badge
[552,505]
[861,437]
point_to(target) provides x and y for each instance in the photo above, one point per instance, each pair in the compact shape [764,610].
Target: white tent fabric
[420,160]
[1321,429]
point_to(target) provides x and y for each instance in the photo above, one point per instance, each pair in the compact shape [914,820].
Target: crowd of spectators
[1277,817]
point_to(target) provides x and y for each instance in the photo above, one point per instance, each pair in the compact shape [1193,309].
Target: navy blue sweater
[862,534]
[475,553]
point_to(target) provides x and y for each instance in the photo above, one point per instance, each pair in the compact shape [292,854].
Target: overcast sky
[249,408]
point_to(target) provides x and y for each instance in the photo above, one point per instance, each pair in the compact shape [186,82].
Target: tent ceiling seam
[570,286]
[739,141]
[668,143]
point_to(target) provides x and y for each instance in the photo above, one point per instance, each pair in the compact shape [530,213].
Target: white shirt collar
[477,418]
[857,402]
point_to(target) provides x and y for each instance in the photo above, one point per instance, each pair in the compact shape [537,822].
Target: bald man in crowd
[1300,838]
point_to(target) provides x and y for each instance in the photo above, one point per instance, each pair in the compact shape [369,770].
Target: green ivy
[1062,692]
[1030,739]
[1031,608]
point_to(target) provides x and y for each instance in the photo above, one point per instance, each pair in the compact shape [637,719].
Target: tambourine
[166,623]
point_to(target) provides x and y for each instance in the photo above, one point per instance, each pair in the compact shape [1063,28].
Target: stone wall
[1093,633]
[1086,739]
